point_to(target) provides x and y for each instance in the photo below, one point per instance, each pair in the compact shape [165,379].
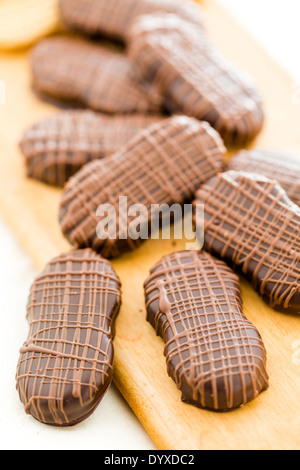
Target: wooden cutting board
[270,422]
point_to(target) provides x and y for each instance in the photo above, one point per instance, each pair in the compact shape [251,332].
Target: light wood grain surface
[270,422]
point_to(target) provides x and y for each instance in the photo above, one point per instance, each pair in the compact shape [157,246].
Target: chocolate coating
[79,70]
[180,65]
[113,18]
[252,224]
[57,147]
[163,164]
[66,364]
[214,354]
[280,165]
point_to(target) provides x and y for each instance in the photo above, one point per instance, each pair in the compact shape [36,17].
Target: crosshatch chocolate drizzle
[113,18]
[280,165]
[214,354]
[66,364]
[252,224]
[179,63]
[89,73]
[59,146]
[163,164]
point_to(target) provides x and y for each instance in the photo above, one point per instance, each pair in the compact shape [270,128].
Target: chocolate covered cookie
[82,71]
[181,66]
[252,224]
[163,164]
[66,364]
[280,165]
[113,18]
[57,147]
[214,354]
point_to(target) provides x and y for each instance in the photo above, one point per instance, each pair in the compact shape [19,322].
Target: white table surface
[113,426]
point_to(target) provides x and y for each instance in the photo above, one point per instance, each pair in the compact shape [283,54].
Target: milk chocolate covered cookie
[280,165]
[89,73]
[113,18]
[179,64]
[252,224]
[57,147]
[214,354]
[163,164]
[66,364]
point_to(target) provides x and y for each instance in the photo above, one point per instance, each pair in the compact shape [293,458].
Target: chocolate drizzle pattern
[82,71]
[59,146]
[113,18]
[281,165]
[214,354]
[252,224]
[179,64]
[163,164]
[65,366]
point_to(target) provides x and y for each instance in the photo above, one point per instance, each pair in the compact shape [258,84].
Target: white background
[275,23]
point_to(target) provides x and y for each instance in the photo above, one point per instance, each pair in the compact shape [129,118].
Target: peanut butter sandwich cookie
[214,354]
[281,165]
[163,164]
[252,224]
[57,147]
[178,63]
[113,18]
[89,73]
[66,364]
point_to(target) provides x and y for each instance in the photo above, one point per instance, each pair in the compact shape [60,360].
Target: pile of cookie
[158,105]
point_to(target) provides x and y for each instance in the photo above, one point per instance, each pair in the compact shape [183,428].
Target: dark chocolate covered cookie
[77,70]
[214,354]
[163,165]
[252,224]
[281,165]
[66,364]
[113,18]
[180,65]
[59,146]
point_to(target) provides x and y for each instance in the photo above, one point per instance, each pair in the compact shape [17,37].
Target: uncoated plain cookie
[89,73]
[281,165]
[163,164]
[252,224]
[214,354]
[38,19]
[60,145]
[180,65]
[66,364]
[113,18]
